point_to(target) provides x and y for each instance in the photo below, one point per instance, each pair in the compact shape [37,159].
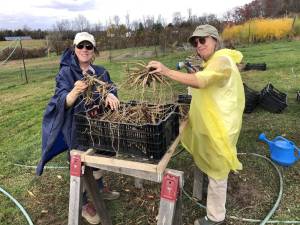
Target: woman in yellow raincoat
[215,116]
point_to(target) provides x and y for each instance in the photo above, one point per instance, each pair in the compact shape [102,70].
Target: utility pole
[23,61]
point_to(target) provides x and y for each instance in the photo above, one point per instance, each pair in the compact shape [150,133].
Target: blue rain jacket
[58,127]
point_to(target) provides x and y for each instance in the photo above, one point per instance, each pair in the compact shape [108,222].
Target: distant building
[17,38]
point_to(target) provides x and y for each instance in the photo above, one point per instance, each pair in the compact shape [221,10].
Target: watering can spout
[263,137]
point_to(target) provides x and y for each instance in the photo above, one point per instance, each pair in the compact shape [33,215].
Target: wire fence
[10,55]
[11,43]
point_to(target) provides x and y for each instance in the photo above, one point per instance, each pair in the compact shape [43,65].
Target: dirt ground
[251,194]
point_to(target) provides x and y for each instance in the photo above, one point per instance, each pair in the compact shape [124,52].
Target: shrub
[28,53]
[296,28]
[259,30]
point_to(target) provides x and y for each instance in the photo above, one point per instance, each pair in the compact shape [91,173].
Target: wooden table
[81,171]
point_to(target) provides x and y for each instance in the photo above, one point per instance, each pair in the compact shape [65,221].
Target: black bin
[272,99]
[255,66]
[251,99]
[149,141]
[184,98]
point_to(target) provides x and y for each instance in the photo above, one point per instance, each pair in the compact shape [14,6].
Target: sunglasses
[198,40]
[86,46]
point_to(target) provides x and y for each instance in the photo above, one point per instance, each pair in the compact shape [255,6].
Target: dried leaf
[31,194]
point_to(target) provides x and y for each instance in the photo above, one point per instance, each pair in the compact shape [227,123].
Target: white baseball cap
[84,36]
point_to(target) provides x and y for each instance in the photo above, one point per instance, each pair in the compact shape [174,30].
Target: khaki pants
[216,199]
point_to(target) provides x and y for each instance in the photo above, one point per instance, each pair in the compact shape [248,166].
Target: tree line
[151,31]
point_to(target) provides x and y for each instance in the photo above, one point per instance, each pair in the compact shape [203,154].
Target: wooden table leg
[170,208]
[75,198]
[198,184]
[96,196]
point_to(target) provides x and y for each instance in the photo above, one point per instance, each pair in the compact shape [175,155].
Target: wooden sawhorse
[81,172]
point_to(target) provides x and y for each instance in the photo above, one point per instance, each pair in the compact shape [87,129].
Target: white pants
[216,199]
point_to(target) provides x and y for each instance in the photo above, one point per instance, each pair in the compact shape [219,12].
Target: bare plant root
[135,114]
[138,114]
[139,76]
[95,86]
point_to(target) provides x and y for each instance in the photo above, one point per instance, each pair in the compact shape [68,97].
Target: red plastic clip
[170,187]
[75,167]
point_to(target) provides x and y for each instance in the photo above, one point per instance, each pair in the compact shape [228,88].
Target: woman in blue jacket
[58,130]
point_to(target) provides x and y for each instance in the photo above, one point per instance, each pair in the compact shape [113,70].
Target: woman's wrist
[71,98]
[169,73]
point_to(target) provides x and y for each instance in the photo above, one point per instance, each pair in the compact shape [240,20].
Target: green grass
[46,197]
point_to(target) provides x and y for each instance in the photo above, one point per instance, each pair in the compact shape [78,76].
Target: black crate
[255,66]
[184,98]
[251,99]
[148,141]
[272,99]
[183,110]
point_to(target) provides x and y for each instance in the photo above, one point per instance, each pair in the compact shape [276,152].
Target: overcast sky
[15,14]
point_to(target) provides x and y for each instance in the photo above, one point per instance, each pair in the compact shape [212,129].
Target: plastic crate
[255,66]
[251,99]
[148,141]
[272,99]
[183,110]
[184,99]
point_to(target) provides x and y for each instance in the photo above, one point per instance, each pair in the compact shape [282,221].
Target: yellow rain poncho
[215,116]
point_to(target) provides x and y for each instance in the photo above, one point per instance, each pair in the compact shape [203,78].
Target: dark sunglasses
[200,40]
[87,46]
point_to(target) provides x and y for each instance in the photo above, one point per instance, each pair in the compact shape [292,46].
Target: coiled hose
[18,205]
[272,211]
[16,202]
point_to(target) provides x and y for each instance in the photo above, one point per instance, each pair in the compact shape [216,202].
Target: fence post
[23,61]
[249,33]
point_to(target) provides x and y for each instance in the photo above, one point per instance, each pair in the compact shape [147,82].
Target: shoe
[89,213]
[109,195]
[206,221]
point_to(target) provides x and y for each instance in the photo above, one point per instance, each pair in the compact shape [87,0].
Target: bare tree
[148,22]
[62,26]
[189,14]
[98,27]
[227,17]
[116,20]
[81,23]
[135,25]
[177,18]
[161,20]
[127,21]
[60,37]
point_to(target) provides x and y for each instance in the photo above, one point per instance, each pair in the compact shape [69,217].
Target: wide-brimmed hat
[204,31]
[84,36]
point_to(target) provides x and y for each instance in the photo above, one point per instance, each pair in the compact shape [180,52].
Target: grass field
[251,193]
[25,43]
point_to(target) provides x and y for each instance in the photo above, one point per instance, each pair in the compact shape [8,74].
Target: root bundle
[95,86]
[135,114]
[139,76]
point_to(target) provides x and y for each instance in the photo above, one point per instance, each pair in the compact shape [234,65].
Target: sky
[43,14]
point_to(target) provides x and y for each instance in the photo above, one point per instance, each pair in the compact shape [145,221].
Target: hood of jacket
[235,55]
[69,59]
